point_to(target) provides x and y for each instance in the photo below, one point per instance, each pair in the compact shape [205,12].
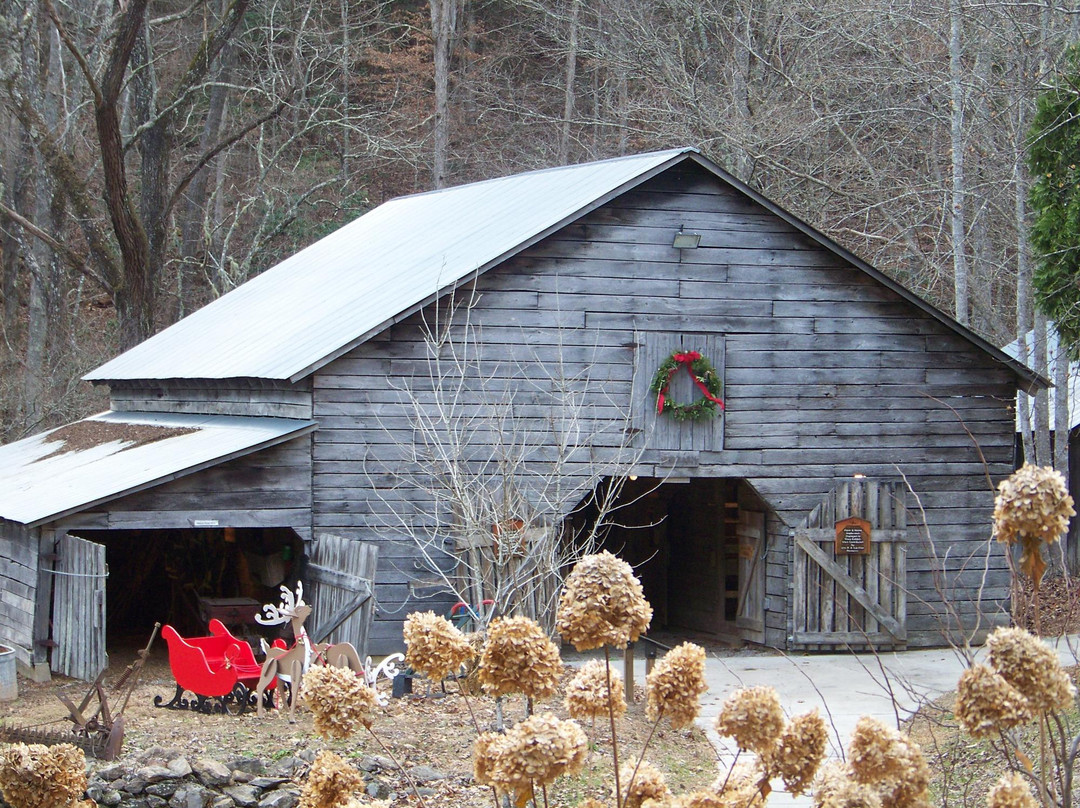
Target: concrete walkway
[888,686]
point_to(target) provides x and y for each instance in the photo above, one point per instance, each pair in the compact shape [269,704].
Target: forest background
[156,154]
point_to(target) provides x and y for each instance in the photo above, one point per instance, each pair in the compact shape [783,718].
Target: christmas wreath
[704,376]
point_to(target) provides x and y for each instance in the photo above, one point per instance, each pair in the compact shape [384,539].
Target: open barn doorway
[185,576]
[695,544]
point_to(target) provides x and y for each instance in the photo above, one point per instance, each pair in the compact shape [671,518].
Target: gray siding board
[230,397]
[827,374]
[18,588]
[269,488]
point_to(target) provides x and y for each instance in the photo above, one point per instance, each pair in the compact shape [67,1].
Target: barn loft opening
[185,576]
[692,543]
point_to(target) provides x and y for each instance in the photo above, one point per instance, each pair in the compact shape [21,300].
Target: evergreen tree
[1054,160]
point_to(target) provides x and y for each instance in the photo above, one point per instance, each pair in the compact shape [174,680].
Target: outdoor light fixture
[859,476]
[686,241]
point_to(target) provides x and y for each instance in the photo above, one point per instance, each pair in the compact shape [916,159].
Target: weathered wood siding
[827,374]
[252,397]
[18,587]
[268,488]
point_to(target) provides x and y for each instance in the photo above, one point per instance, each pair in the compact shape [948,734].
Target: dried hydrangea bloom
[699,799]
[1032,668]
[1011,791]
[39,776]
[875,751]
[799,752]
[986,703]
[533,753]
[836,788]
[907,789]
[602,603]
[675,684]
[519,657]
[340,701]
[484,757]
[647,784]
[742,787]
[330,783]
[434,646]
[1033,502]
[587,693]
[753,717]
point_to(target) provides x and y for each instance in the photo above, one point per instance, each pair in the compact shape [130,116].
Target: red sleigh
[219,670]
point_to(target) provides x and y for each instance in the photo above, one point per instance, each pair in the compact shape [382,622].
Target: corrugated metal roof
[1053,350]
[42,479]
[316,304]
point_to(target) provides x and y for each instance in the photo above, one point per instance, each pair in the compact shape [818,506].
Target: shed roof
[321,302]
[66,470]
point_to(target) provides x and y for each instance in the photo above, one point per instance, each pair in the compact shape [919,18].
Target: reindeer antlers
[290,604]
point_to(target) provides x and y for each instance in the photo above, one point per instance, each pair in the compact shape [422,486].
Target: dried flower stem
[389,754]
[469,707]
[611,718]
[734,763]
[641,757]
[476,726]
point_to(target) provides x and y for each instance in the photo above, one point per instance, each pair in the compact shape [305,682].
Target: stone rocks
[211,772]
[164,777]
[425,774]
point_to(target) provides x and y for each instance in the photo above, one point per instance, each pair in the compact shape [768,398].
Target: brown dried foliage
[519,657]
[675,685]
[602,604]
[39,776]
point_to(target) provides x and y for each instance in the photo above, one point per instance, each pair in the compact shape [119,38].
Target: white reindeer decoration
[289,665]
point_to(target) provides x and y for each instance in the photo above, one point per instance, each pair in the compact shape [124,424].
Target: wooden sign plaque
[852,537]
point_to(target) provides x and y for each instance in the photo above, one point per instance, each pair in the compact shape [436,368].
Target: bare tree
[503,448]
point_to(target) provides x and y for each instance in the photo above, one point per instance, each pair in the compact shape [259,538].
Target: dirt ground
[430,728]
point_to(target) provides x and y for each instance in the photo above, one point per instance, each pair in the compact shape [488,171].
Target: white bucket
[9,685]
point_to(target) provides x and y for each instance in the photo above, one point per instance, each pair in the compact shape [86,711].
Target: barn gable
[828,374]
[845,394]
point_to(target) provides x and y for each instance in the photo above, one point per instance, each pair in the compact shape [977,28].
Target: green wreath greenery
[704,376]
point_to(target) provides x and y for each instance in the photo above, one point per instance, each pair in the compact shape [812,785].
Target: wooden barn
[503,339]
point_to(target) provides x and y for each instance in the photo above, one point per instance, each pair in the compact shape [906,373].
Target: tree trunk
[569,76]
[443,26]
[1061,411]
[956,131]
[192,234]
[9,244]
[1041,426]
[1024,321]
[740,91]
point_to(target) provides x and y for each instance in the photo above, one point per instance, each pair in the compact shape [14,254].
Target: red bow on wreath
[685,359]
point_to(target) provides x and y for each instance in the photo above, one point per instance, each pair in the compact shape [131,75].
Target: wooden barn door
[341,590]
[843,595]
[78,622]
[750,615]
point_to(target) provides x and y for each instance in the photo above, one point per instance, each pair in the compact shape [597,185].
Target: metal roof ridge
[653,155]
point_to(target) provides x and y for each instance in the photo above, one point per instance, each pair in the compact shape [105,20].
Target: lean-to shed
[859,422]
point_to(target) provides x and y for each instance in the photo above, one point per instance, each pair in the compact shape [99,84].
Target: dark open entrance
[692,543]
[175,575]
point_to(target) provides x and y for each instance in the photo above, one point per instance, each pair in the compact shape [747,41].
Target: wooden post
[628,672]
